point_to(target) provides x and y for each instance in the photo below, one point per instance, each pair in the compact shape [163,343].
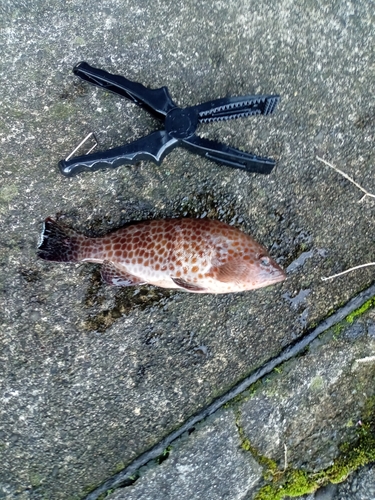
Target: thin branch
[367,193]
[82,143]
[285,457]
[369,359]
[348,271]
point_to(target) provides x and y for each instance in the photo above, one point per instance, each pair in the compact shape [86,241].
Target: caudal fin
[58,243]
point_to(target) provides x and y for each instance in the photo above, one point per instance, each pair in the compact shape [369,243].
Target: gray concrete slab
[296,421]
[316,403]
[209,463]
[91,377]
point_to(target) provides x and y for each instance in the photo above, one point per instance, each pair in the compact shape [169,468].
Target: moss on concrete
[295,483]
[361,310]
[7,193]
[269,465]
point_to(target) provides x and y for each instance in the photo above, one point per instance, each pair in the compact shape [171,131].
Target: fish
[194,255]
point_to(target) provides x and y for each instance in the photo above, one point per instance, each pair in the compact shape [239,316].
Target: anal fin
[115,276]
[190,287]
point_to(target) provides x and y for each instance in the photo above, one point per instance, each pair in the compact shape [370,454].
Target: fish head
[263,271]
[253,270]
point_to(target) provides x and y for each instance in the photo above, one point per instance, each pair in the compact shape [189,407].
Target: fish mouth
[276,276]
[280,276]
[280,273]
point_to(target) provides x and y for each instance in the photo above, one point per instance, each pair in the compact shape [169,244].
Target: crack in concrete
[287,353]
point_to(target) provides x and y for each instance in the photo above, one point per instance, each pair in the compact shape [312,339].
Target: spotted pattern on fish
[197,255]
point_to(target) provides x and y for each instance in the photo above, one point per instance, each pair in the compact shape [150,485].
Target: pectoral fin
[116,276]
[190,287]
[231,271]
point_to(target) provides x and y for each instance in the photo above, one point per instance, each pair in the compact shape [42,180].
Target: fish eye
[265,261]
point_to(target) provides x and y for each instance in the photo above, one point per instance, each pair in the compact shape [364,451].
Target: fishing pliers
[180,125]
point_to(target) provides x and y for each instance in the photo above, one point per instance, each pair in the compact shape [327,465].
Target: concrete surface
[91,377]
[207,464]
[298,417]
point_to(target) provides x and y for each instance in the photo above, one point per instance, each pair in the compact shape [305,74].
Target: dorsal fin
[116,276]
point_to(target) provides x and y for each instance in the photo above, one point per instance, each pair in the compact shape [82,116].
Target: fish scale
[195,255]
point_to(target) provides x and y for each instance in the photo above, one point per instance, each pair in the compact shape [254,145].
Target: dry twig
[348,271]
[367,193]
[285,457]
[369,359]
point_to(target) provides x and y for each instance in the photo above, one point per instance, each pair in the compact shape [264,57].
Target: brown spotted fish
[196,255]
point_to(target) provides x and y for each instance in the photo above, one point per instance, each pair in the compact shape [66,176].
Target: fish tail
[58,243]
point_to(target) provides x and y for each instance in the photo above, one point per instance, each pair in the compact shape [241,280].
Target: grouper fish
[195,255]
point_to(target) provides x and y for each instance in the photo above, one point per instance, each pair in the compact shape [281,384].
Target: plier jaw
[180,125]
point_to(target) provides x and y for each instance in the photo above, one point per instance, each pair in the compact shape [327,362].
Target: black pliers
[180,126]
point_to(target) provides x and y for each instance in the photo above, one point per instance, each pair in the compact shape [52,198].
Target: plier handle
[180,125]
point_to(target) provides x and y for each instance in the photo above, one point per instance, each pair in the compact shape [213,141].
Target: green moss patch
[295,483]
[364,308]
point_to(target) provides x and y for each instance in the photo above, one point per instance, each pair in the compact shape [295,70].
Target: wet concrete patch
[125,300]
